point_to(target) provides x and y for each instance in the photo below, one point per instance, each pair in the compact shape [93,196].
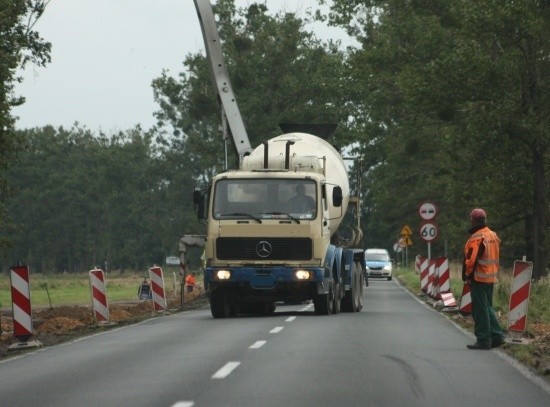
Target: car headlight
[222,274]
[302,274]
[387,267]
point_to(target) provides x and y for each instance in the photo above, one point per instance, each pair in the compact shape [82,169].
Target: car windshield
[265,198]
[377,257]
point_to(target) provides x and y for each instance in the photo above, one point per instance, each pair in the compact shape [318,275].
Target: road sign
[396,248]
[406,231]
[428,231]
[401,242]
[427,211]
[408,241]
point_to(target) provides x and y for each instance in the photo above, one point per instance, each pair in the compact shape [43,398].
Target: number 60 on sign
[428,231]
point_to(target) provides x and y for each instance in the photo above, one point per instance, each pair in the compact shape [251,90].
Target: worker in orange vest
[480,269]
[190,282]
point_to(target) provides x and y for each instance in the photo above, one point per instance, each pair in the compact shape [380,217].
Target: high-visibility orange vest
[190,280]
[484,269]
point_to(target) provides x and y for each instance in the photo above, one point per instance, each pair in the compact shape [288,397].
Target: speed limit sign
[428,231]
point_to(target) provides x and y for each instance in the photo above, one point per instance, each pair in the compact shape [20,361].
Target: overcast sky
[105,53]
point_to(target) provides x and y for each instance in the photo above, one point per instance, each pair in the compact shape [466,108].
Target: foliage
[451,106]
[279,72]
[86,200]
[19,45]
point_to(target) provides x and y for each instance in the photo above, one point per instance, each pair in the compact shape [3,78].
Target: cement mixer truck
[272,225]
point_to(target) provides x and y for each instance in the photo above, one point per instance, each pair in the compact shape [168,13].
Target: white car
[378,263]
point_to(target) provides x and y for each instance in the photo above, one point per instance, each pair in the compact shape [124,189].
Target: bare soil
[63,323]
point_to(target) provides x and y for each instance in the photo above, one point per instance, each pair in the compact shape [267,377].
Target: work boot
[497,343]
[478,345]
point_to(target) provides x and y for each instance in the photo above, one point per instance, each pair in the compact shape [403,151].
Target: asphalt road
[397,351]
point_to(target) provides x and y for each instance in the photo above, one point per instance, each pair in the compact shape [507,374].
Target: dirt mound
[57,325]
[62,323]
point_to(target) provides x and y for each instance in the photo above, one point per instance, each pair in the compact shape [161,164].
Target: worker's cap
[478,213]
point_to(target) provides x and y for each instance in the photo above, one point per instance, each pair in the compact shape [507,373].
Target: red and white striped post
[431,277]
[424,265]
[99,296]
[157,286]
[21,302]
[519,296]
[465,307]
[21,306]
[444,276]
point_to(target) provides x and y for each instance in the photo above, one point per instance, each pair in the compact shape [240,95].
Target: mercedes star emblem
[264,249]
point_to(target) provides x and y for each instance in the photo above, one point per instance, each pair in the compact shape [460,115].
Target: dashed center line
[290,319]
[306,308]
[257,344]
[226,370]
[184,404]
[276,329]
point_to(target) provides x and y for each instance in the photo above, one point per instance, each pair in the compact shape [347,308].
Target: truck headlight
[222,274]
[302,274]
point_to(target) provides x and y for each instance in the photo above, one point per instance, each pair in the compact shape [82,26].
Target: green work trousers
[486,329]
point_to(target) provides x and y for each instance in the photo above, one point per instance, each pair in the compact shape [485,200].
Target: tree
[280,73]
[19,45]
[452,99]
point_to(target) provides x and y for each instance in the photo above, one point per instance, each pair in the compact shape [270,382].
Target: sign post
[406,233]
[428,230]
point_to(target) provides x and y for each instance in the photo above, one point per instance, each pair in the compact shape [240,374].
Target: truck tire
[323,303]
[337,297]
[353,299]
[219,306]
[358,300]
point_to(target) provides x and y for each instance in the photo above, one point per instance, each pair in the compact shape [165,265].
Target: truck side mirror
[198,202]
[337,196]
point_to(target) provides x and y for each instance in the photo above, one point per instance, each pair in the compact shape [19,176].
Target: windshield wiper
[243,214]
[282,213]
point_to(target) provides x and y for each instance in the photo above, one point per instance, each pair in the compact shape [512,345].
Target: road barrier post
[157,286]
[98,288]
[519,298]
[21,306]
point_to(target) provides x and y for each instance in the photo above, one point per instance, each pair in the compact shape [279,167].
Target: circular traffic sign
[428,231]
[427,211]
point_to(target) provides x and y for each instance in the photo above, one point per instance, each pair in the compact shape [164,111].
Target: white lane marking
[257,344]
[184,404]
[307,308]
[290,319]
[276,329]
[226,370]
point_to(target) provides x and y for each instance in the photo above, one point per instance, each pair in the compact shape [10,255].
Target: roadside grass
[70,289]
[533,354]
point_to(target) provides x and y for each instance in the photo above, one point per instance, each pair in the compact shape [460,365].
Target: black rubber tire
[336,300]
[323,303]
[219,306]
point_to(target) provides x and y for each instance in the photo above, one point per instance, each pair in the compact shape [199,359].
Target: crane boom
[220,78]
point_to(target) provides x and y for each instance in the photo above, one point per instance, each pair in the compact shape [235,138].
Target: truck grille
[263,248]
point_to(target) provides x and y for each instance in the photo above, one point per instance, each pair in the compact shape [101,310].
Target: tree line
[443,101]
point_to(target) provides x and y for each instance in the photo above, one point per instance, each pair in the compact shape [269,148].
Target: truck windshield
[265,198]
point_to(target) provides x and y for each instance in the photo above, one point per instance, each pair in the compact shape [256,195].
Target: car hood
[377,263]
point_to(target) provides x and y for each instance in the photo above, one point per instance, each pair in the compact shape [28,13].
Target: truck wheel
[219,306]
[358,294]
[323,303]
[353,299]
[337,296]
